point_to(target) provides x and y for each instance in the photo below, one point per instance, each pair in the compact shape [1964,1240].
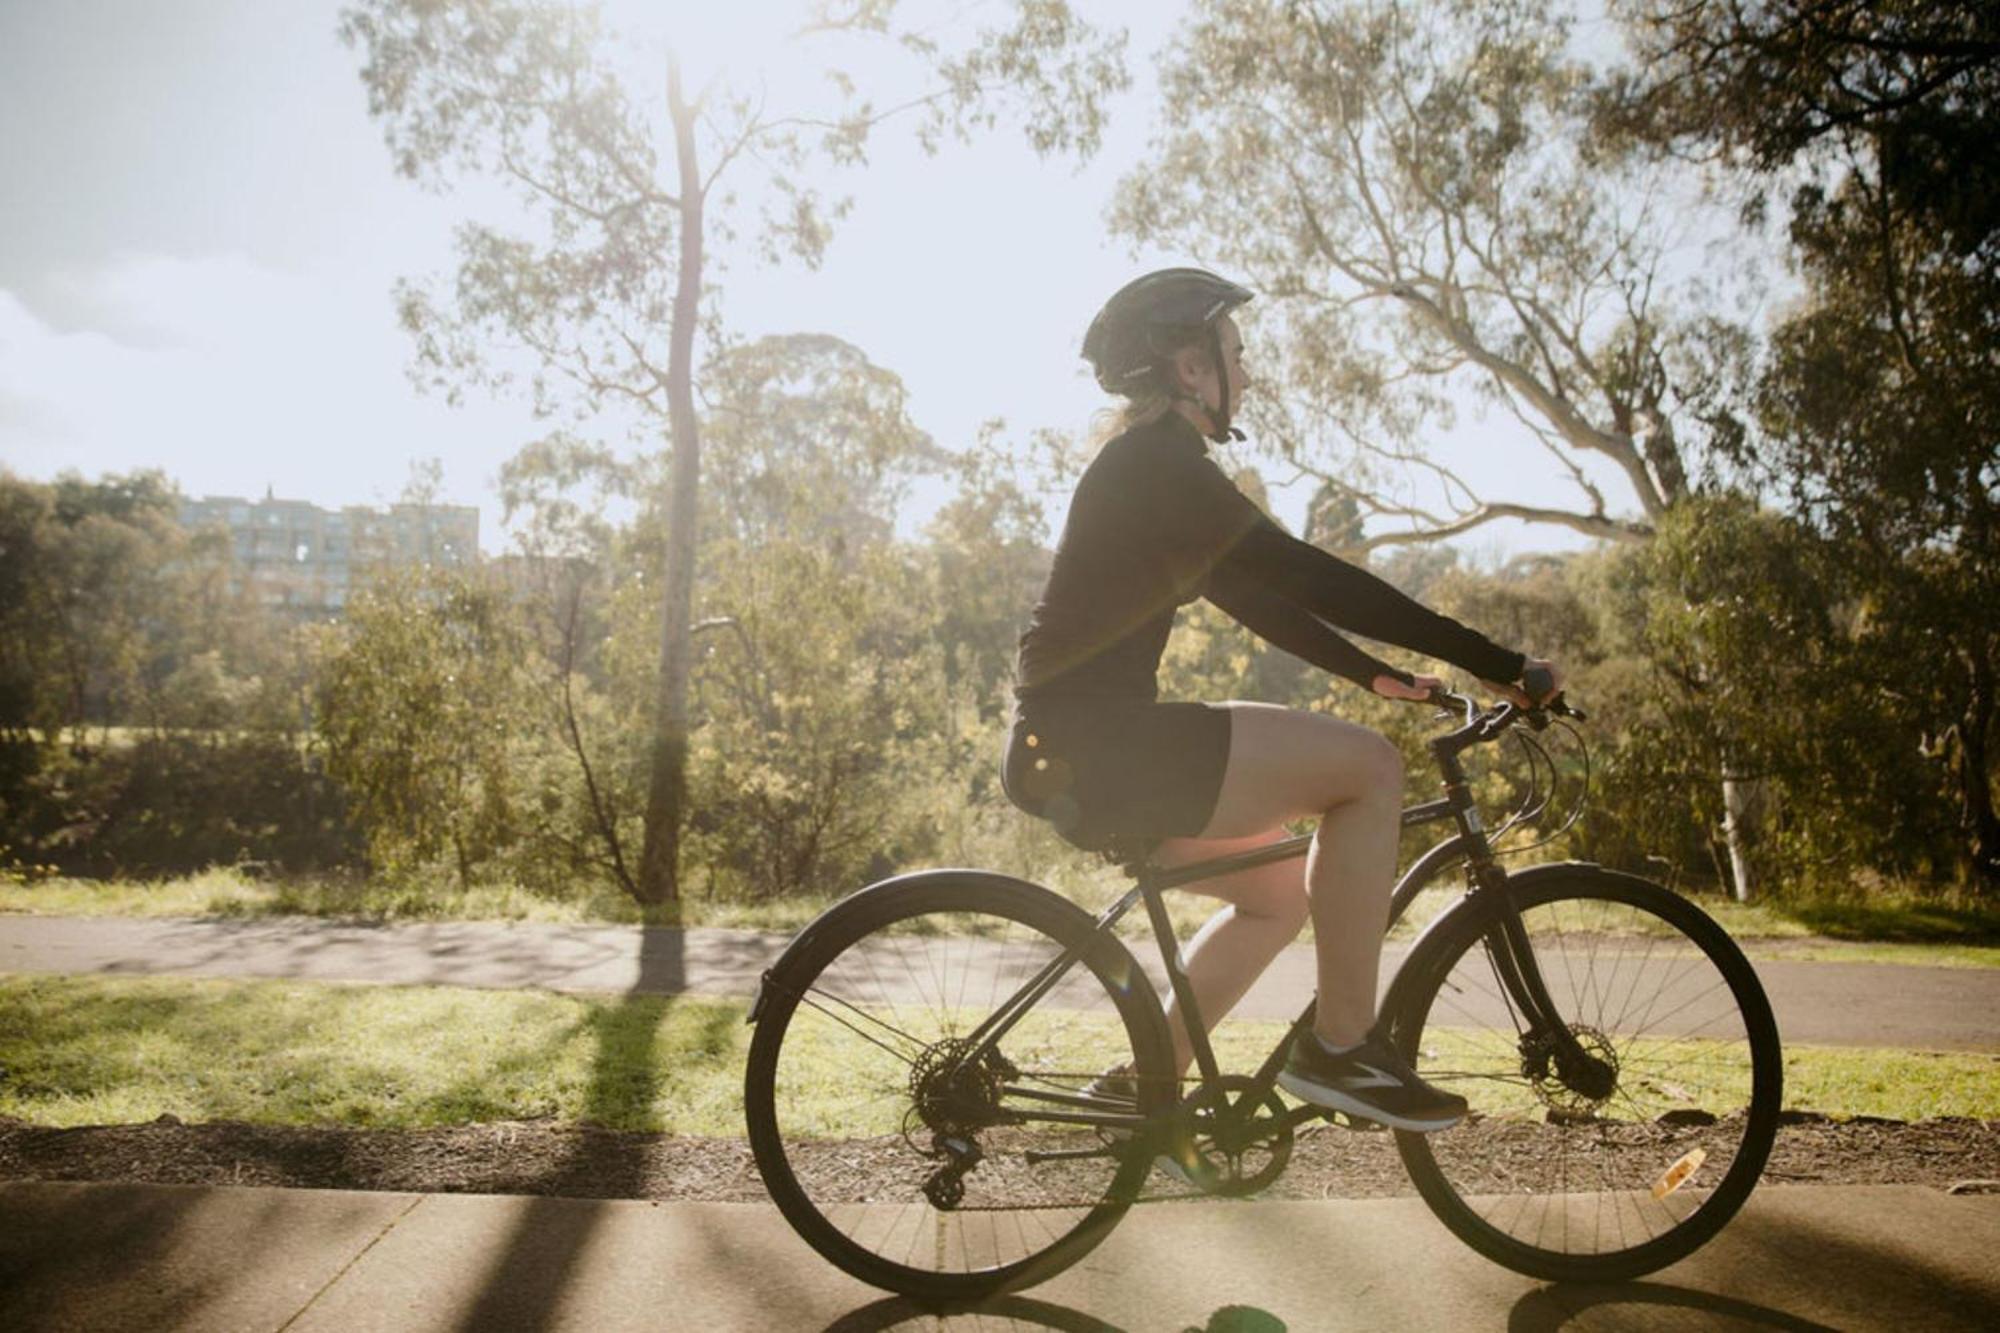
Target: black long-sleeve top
[1155,524]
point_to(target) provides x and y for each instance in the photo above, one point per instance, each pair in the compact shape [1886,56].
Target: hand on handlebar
[1423,689]
[1533,667]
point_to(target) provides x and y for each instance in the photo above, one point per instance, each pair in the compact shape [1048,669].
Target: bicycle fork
[1544,1033]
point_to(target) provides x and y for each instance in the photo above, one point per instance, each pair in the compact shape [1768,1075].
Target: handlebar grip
[1539,682]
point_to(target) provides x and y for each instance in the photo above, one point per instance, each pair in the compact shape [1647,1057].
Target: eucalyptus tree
[1415,194]
[817,717]
[626,186]
[1421,200]
[1878,405]
[809,440]
[1768,84]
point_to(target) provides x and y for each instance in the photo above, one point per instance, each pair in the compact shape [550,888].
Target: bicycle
[924,1099]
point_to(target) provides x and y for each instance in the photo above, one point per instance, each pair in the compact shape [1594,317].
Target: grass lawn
[1887,928]
[230,893]
[76,1051]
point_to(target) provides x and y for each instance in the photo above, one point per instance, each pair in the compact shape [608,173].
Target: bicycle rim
[850,1105]
[1551,1175]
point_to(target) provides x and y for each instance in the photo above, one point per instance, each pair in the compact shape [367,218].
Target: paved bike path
[163,1257]
[1855,1004]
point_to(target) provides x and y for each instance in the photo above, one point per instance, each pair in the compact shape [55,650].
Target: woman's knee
[1281,900]
[1366,766]
[1383,764]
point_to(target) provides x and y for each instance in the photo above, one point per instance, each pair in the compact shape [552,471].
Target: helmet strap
[1220,431]
[1223,432]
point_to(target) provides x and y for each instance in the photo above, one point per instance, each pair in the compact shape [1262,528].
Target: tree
[421,707]
[103,599]
[1416,199]
[1881,413]
[819,720]
[1423,206]
[526,92]
[808,441]
[1879,405]
[1764,83]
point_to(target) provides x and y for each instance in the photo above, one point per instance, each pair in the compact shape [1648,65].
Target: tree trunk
[1975,780]
[659,862]
[1736,819]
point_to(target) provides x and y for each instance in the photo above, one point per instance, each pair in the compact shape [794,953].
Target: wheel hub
[1569,1086]
[952,1094]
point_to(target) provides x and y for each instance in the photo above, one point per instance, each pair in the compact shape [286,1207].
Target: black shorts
[1104,769]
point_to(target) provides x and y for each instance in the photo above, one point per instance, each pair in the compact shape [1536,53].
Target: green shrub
[172,804]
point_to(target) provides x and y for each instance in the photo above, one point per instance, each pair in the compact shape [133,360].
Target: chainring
[1245,1155]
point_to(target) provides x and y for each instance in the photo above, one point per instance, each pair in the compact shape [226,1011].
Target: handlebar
[1478,725]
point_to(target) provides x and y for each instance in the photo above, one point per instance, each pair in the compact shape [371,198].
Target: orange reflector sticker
[1677,1175]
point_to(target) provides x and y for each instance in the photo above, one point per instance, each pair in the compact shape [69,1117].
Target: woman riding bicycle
[1153,525]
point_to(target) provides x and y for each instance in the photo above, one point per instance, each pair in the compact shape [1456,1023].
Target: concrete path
[115,1257]
[1856,1004]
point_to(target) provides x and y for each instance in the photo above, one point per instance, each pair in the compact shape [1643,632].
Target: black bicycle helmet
[1151,317]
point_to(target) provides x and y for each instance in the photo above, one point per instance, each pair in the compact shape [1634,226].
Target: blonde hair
[1142,408]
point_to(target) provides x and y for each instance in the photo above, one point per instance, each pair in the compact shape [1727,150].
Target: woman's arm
[1216,529]
[1357,600]
[1282,622]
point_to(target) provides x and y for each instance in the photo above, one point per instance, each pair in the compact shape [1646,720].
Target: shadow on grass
[1899,922]
[535,1266]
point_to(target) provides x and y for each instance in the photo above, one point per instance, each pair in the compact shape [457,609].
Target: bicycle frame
[1507,942]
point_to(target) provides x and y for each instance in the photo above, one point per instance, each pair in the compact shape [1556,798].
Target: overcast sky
[199,230]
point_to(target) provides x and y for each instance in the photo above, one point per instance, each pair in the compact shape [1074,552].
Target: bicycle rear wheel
[894,1156]
[1619,1166]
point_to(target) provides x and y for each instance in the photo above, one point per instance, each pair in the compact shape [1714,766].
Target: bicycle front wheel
[893,1147]
[1605,1168]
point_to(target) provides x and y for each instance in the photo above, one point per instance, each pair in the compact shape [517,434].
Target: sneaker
[1117,1084]
[1370,1082]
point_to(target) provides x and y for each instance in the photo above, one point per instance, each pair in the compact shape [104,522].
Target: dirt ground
[533,1157]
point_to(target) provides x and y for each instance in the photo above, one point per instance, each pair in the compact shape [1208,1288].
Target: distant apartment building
[296,555]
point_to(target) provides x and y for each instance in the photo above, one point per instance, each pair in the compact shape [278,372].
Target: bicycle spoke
[936,1168]
[1564,1180]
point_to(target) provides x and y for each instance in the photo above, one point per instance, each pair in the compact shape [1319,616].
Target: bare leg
[1267,907]
[1285,765]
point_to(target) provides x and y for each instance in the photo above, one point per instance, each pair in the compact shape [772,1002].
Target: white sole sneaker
[1333,1099]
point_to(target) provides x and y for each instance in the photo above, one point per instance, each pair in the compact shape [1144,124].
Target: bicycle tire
[1587,1186]
[866,997]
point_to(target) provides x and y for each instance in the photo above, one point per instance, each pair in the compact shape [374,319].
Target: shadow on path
[533,1269]
[1640,1304]
[898,1312]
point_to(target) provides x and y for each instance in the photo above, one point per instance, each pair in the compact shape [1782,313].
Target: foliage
[1881,411]
[173,804]
[149,711]
[422,708]
[1758,629]
[816,720]
[107,607]
[1876,408]
[606,292]
[1768,82]
[1418,198]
